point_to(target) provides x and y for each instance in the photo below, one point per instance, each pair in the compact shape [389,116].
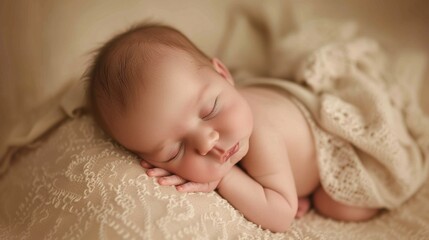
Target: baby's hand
[165,178]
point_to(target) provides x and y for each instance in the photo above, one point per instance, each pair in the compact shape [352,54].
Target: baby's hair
[118,65]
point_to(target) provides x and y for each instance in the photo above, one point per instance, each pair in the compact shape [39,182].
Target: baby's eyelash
[213,111]
[177,154]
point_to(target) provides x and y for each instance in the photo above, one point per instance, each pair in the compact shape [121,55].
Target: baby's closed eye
[176,152]
[213,110]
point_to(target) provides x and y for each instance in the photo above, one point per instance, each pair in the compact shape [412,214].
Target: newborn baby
[158,95]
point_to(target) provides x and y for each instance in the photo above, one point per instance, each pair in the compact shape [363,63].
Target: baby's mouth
[230,152]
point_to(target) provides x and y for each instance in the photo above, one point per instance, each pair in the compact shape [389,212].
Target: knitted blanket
[372,136]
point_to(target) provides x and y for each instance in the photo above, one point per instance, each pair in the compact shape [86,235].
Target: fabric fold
[26,132]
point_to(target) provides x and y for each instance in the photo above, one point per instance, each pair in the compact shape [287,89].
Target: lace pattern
[372,149]
[75,183]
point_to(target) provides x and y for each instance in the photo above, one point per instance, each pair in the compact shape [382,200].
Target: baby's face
[187,119]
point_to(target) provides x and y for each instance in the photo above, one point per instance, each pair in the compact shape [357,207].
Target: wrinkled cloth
[25,132]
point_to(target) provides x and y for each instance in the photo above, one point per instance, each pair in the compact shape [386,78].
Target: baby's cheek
[240,117]
[232,115]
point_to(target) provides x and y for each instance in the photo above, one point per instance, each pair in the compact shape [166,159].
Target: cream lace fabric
[76,183]
[372,136]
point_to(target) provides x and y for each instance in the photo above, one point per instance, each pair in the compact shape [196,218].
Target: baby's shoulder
[266,102]
[272,110]
[279,125]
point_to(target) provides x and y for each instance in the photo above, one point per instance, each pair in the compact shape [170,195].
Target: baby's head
[158,95]
[122,64]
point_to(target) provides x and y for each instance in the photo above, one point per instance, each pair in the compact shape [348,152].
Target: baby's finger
[145,164]
[171,180]
[157,172]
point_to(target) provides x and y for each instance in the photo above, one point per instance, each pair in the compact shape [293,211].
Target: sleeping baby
[153,91]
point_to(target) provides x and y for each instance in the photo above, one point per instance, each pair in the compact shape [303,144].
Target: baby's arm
[259,205]
[268,198]
[260,198]
[165,178]
[264,191]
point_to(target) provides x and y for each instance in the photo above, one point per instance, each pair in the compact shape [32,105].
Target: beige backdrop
[45,44]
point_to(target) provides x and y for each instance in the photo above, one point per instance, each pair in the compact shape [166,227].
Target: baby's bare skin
[273,113]
[277,114]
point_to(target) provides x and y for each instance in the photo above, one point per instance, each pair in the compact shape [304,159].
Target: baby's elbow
[280,229]
[284,218]
[281,225]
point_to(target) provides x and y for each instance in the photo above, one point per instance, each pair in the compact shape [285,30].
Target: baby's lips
[230,152]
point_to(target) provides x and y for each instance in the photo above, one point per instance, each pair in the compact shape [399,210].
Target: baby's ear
[222,70]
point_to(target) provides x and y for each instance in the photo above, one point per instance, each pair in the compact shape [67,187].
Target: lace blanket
[77,184]
[372,136]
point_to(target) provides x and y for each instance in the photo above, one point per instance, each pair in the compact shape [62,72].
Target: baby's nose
[208,142]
